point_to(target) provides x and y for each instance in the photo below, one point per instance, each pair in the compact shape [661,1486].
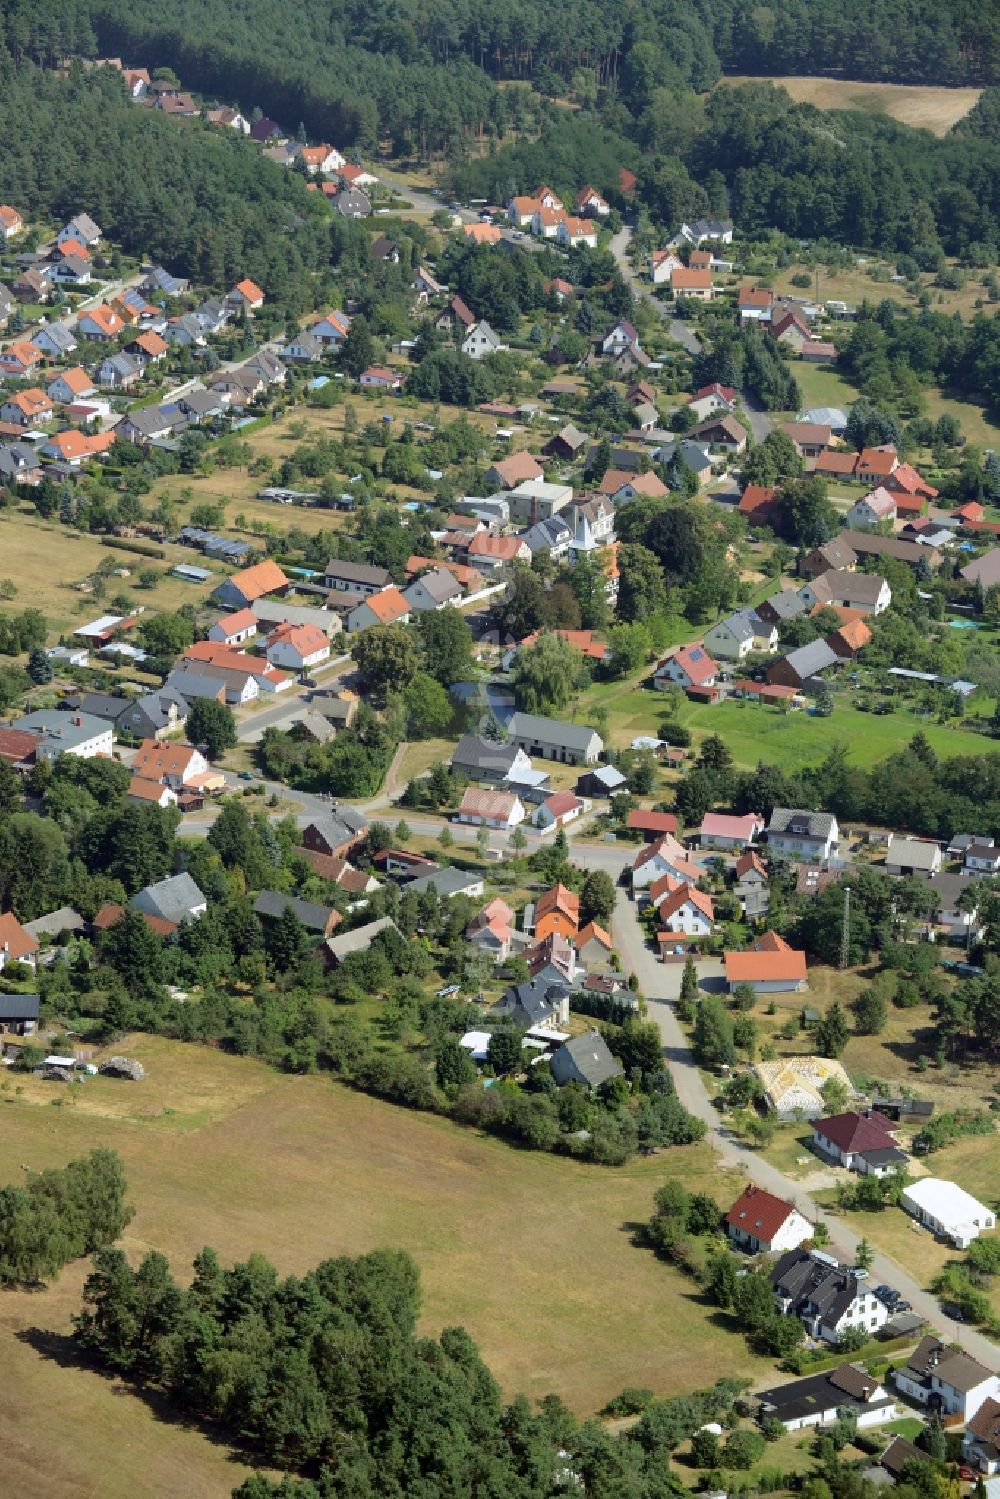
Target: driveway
[680,331]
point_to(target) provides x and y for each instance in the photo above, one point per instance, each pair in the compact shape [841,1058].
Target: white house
[878,505]
[946,1379]
[720,830]
[480,341]
[556,811]
[664,857]
[759,1221]
[687,912]
[860,1140]
[948,1210]
[662,263]
[912,856]
[484,807]
[981,1443]
[829,1299]
[298,647]
[731,639]
[61,733]
[818,1399]
[803,835]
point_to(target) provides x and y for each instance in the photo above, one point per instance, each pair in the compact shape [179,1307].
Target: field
[47,560]
[528,1251]
[755,732]
[933,109]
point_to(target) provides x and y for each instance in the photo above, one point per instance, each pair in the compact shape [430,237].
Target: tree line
[61,1215]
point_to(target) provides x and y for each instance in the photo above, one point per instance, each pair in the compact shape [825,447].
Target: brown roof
[684,279]
[480,801]
[263,577]
[651,822]
[558,898]
[854,1131]
[951,1365]
[110,914]
[758,1213]
[812,434]
[590,931]
[762,966]
[985,1424]
[17,745]
[687,894]
[14,940]
[517,468]
[153,760]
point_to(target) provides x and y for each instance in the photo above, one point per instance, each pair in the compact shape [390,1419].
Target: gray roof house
[450,882]
[19,1014]
[539,1001]
[433,590]
[190,685]
[176,899]
[487,759]
[585,1059]
[552,739]
[65,919]
[803,834]
[827,1298]
[272,904]
[336,949]
[355,577]
[98,704]
[803,665]
[55,338]
[352,204]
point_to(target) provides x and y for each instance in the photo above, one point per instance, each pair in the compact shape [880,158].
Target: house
[541,1002]
[436,589]
[315,917]
[100,325]
[849,639]
[457,317]
[603,780]
[337,835]
[148,348]
[336,949]
[28,408]
[687,912]
[19,359]
[556,811]
[55,341]
[33,285]
[861,1141]
[754,304]
[740,635]
[970,514]
[83,229]
[791,329]
[621,336]
[175,899]
[804,665]
[298,647]
[947,1210]
[719,830]
[867,592]
[426,284]
[491,930]
[119,372]
[572,231]
[912,856]
[355,577]
[557,911]
[11,222]
[770,966]
[665,860]
[818,351]
[652,823]
[828,1299]
[228,119]
[16,944]
[567,443]
[793,1087]
[179,766]
[66,734]
[150,793]
[836,554]
[623,487]
[946,1380]
[242,588]
[586,1060]
[752,888]
[877,505]
[487,808]
[811,438]
[781,607]
[985,570]
[558,288]
[662,264]
[72,385]
[695,283]
[380,377]
[874,465]
[590,204]
[509,472]
[981,1443]
[698,230]
[481,341]
[352,203]
[19,1014]
[759,504]
[190,685]
[155,714]
[552,739]
[449,883]
[819,1400]
[234,629]
[593,946]
[982,858]
[320,159]
[521,211]
[331,330]
[17,748]
[759,1221]
[724,433]
[488,759]
[385,608]
[245,296]
[545,222]
[686,666]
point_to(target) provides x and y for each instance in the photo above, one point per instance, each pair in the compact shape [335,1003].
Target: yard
[528,1251]
[927,108]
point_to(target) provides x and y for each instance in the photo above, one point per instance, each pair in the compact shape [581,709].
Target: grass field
[530,1252]
[47,561]
[754,732]
[933,109]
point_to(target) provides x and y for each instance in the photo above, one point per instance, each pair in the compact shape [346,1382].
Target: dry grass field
[933,109]
[530,1252]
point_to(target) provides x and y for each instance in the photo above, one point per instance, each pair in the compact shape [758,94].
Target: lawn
[933,109]
[529,1251]
[47,561]
[821,386]
[869,279]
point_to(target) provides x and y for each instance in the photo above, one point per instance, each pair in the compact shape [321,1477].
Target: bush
[630,1402]
[802,278]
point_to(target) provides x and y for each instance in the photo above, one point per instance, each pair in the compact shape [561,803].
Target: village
[458,695]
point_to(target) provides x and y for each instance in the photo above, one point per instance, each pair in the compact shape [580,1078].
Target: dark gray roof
[573,736]
[357,572]
[174,899]
[99,704]
[810,1284]
[590,1056]
[950,1365]
[473,753]
[804,1397]
[786,604]
[534,1000]
[309,912]
[447,882]
[809,659]
[18,1006]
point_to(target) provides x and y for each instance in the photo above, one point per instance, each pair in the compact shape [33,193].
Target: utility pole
[845,934]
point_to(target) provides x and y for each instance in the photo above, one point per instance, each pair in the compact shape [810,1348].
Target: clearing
[933,109]
[528,1251]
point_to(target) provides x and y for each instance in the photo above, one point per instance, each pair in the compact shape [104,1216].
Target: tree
[597,898]
[358,349]
[135,951]
[630,649]
[522,611]
[775,459]
[713,1034]
[213,725]
[832,1033]
[446,639]
[39,667]
[504,1050]
[453,1065]
[386,656]
[428,706]
[641,590]
[705,1449]
[805,517]
[870,1013]
[547,674]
